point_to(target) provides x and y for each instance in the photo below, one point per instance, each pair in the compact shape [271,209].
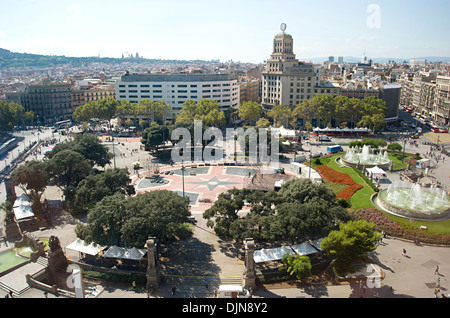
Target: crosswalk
[200,284]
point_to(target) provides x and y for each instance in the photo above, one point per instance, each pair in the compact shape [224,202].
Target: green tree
[326,108]
[280,115]
[395,147]
[32,177]
[105,221]
[224,211]
[263,123]
[95,187]
[298,265]
[10,114]
[89,147]
[250,112]
[130,221]
[155,136]
[350,243]
[69,167]
[307,111]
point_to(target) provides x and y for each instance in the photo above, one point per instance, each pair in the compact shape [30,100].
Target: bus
[63,124]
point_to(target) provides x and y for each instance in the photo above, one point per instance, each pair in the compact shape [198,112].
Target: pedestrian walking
[174,288]
[404,252]
[206,284]
[436,271]
[436,291]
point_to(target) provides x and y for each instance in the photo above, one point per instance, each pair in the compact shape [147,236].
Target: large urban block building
[286,80]
[50,102]
[175,89]
[441,109]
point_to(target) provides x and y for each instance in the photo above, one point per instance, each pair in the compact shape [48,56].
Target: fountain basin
[414,201]
[365,156]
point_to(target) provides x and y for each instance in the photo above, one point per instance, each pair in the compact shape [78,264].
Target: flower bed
[342,178]
[390,227]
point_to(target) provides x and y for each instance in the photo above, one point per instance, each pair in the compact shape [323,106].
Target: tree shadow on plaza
[189,257]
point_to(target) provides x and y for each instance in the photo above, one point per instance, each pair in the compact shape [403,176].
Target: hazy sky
[229,29]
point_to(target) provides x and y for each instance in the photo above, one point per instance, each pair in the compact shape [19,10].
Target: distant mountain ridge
[13,59]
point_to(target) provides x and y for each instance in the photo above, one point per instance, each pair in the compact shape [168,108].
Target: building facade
[286,81]
[441,109]
[50,102]
[175,89]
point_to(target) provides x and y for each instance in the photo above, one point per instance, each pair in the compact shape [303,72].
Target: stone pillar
[57,261]
[153,268]
[249,276]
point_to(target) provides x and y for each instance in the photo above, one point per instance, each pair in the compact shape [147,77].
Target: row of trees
[12,114]
[341,110]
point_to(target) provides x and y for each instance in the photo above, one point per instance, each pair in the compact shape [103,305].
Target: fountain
[414,201]
[365,156]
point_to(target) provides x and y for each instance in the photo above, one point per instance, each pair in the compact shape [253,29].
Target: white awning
[125,253]
[279,183]
[316,244]
[22,199]
[134,253]
[23,212]
[376,170]
[114,252]
[80,246]
[271,254]
[304,249]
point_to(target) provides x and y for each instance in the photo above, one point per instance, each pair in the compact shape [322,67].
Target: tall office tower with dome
[286,80]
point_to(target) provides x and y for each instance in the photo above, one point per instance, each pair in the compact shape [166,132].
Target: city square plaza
[403,276]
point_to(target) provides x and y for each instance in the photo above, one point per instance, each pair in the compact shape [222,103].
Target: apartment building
[441,109]
[50,102]
[250,90]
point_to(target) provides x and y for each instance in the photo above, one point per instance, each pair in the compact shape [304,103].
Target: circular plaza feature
[202,184]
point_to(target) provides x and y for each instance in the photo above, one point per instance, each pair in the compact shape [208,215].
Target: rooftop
[176,77]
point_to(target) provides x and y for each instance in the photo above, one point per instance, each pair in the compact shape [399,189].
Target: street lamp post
[182,173]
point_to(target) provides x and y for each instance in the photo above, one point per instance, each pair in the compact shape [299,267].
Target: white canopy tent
[304,249]
[125,253]
[22,208]
[23,212]
[376,170]
[22,199]
[134,253]
[271,254]
[316,243]
[286,133]
[90,249]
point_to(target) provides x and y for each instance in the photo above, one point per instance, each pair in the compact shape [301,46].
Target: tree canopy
[206,110]
[350,243]
[367,112]
[250,112]
[89,147]
[129,221]
[11,114]
[300,210]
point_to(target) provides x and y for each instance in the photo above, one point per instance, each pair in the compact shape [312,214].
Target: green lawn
[441,227]
[361,199]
